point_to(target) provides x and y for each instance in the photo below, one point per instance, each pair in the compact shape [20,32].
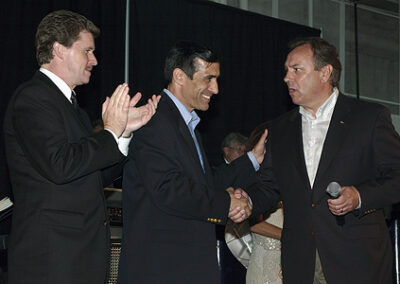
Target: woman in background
[265,260]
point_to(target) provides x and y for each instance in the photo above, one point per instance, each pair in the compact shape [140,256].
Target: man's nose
[92,59]
[214,86]
[287,77]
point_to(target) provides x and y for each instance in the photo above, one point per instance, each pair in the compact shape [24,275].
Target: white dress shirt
[314,133]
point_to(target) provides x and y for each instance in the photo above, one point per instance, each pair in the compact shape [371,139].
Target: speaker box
[115,252]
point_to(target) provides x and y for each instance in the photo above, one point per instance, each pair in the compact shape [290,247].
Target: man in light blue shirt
[173,199]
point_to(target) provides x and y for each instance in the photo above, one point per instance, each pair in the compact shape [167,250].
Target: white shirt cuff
[359,202]
[123,143]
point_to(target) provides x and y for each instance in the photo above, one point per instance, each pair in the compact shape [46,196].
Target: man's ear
[179,76]
[59,50]
[326,73]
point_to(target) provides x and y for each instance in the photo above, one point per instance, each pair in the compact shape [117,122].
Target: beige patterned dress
[265,260]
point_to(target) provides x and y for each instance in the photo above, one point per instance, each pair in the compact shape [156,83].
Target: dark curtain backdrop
[252,49]
[18,22]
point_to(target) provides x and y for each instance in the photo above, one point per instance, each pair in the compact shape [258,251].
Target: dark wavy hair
[184,55]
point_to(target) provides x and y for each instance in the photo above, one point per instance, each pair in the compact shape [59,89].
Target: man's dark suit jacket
[361,149]
[170,205]
[59,232]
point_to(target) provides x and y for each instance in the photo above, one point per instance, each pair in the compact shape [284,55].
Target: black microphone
[334,191]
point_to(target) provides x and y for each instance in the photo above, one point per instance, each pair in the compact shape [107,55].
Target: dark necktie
[74,100]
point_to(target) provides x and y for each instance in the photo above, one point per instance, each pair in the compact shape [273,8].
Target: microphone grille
[333,189]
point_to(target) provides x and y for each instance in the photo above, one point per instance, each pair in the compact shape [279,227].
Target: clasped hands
[120,114]
[240,208]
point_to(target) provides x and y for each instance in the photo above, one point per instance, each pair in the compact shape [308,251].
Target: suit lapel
[297,147]
[338,129]
[77,114]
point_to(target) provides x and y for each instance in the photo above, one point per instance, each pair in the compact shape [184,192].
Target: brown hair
[60,26]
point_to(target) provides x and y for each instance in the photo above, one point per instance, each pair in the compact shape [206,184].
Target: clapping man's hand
[115,110]
[120,114]
[139,116]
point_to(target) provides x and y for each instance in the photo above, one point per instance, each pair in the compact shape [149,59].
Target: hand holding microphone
[344,200]
[333,190]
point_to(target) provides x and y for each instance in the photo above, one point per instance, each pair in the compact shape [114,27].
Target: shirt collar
[325,109]
[188,117]
[64,88]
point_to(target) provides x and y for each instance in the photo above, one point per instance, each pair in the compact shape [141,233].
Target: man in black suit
[171,198]
[330,138]
[58,166]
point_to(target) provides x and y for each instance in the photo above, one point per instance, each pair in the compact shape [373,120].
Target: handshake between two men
[241,206]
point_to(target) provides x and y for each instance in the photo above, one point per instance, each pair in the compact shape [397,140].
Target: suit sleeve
[239,173]
[383,189]
[264,193]
[55,148]
[169,176]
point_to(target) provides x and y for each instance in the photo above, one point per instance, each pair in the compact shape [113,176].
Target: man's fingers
[154,100]
[151,107]
[259,150]
[263,137]
[115,97]
[105,105]
[124,98]
[260,146]
[115,110]
[239,217]
[120,96]
[135,99]
[234,211]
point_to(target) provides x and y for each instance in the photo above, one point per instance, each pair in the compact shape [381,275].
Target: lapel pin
[341,122]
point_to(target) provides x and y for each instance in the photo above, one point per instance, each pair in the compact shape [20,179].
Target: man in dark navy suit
[172,199]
